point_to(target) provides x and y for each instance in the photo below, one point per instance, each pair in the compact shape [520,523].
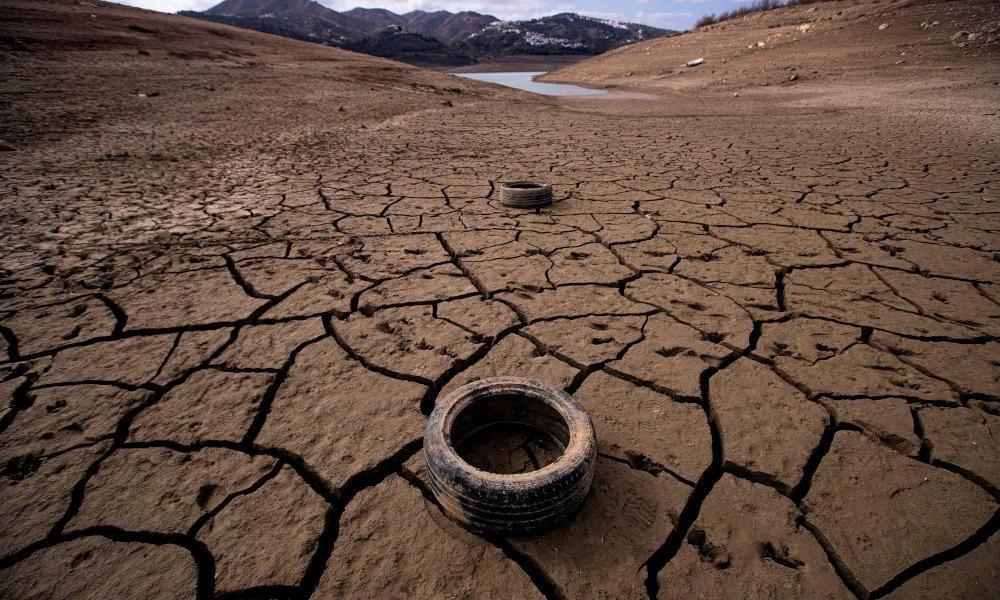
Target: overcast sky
[671,14]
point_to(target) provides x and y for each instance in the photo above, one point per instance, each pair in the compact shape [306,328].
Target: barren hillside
[73,69]
[846,41]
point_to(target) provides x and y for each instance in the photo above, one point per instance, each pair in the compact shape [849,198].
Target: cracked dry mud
[225,322]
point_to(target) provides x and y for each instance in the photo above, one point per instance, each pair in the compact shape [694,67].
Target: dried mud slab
[268,346]
[974,576]
[389,542]
[65,417]
[587,341]
[966,438]
[647,429]
[442,282]
[69,322]
[407,340]
[769,429]
[589,263]
[266,537]
[515,356]
[209,405]
[980,372]
[672,356]
[35,492]
[747,543]
[327,293]
[574,301]
[830,359]
[130,361]
[177,487]
[486,318]
[92,568]
[717,317]
[889,420]
[861,370]
[316,413]
[179,299]
[191,349]
[894,498]
[627,515]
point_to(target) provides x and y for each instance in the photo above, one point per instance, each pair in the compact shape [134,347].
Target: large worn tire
[519,503]
[525,194]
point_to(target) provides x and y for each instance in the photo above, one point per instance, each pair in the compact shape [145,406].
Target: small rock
[5,147]
[736,94]
[341,109]
[959,35]
[973,36]
[629,74]
[761,44]
[695,62]
[794,77]
[805,27]
[883,26]
[447,103]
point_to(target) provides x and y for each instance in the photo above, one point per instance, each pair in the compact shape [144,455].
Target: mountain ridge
[422,37]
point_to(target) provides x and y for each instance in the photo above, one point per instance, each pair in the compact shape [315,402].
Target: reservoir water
[524,80]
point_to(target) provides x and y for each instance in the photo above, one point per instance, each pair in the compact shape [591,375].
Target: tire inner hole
[523,186]
[509,434]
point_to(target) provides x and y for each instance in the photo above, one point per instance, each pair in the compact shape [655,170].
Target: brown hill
[222,77]
[842,41]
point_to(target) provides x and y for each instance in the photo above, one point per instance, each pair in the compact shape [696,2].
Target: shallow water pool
[524,80]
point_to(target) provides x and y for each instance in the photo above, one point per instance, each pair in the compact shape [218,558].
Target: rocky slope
[826,42]
[422,37]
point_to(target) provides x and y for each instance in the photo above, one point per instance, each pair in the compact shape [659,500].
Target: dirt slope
[829,42]
[86,63]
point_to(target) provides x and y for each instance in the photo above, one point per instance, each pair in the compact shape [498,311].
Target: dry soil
[237,271]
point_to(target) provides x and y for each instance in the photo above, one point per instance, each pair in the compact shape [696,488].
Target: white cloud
[667,19]
[170,6]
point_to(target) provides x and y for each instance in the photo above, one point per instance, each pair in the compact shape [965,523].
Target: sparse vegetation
[746,9]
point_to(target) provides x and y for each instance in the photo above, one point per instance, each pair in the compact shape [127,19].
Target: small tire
[525,194]
[519,503]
